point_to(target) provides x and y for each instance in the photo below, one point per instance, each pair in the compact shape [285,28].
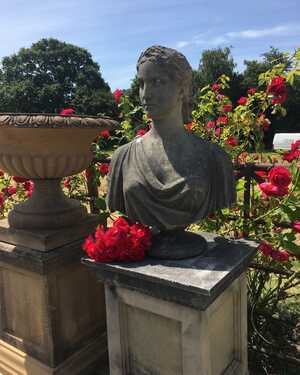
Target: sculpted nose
[145,92]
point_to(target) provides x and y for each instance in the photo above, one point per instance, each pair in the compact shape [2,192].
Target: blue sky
[116,32]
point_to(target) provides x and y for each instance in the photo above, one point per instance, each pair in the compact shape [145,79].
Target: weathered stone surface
[52,311]
[184,317]
[46,148]
[194,282]
[45,240]
[169,178]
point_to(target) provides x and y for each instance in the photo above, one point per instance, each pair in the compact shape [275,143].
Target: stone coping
[194,282]
[50,120]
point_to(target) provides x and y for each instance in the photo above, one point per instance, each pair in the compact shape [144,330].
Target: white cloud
[215,40]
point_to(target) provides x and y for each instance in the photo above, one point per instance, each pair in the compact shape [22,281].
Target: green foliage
[51,75]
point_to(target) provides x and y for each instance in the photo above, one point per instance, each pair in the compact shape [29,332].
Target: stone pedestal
[52,317]
[184,317]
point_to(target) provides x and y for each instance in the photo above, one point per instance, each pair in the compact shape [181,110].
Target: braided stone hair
[177,67]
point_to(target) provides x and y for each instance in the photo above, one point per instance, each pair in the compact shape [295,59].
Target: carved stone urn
[45,148]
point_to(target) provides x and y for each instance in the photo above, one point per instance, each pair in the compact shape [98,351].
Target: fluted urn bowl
[45,148]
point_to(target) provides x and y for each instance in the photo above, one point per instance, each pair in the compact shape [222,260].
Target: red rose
[251,91]
[19,179]
[290,156]
[278,89]
[11,190]
[280,256]
[295,146]
[2,198]
[28,185]
[218,132]
[215,87]
[227,108]
[232,141]
[67,112]
[105,134]
[272,190]
[242,100]
[222,120]
[103,168]
[189,126]
[296,226]
[141,132]
[121,242]
[117,95]
[67,184]
[265,248]
[280,176]
[210,125]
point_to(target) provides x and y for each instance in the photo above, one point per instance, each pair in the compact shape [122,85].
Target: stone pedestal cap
[194,282]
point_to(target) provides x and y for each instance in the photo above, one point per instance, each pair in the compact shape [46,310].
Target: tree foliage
[51,75]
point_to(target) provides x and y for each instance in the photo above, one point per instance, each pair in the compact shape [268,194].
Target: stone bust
[169,178]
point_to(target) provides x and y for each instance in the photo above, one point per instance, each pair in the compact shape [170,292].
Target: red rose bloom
[104,134]
[19,179]
[296,226]
[280,176]
[295,146]
[278,89]
[251,91]
[28,185]
[210,125]
[291,155]
[189,126]
[2,198]
[222,120]
[121,242]
[232,141]
[103,168]
[67,112]
[265,248]
[272,190]
[11,190]
[117,95]
[280,256]
[67,184]
[227,108]
[215,87]
[141,132]
[242,100]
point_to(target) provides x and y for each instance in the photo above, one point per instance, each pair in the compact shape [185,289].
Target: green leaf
[100,204]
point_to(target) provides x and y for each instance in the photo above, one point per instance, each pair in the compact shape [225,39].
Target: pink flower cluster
[121,242]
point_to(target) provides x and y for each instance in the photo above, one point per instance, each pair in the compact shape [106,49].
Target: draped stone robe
[202,182]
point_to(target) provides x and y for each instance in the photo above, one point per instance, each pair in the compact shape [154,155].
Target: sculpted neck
[168,127]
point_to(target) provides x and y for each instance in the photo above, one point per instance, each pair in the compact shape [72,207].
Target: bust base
[177,244]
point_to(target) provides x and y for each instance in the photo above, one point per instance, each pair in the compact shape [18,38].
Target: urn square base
[45,240]
[52,312]
[186,317]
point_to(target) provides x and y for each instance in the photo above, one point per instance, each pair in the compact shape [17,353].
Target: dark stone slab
[194,282]
[45,240]
[38,261]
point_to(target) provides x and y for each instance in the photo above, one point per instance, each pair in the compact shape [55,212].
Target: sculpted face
[160,95]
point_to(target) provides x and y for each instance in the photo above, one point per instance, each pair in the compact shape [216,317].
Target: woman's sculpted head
[174,65]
